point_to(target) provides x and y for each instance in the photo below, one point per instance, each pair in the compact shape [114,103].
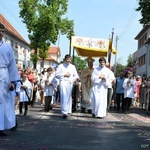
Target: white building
[22,49]
[52,59]
[20,46]
[141,58]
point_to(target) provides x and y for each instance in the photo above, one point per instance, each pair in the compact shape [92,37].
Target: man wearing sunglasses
[8,76]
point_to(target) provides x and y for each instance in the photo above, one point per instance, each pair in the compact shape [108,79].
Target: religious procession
[93,90]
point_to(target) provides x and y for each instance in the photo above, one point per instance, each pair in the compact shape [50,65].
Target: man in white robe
[8,75]
[86,85]
[67,75]
[101,77]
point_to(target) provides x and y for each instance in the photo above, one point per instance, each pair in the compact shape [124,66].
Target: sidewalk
[140,114]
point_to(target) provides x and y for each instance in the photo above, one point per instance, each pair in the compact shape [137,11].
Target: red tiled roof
[53,50]
[48,58]
[9,28]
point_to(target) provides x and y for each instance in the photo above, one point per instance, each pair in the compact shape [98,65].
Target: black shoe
[127,112]
[89,111]
[118,110]
[46,110]
[2,133]
[51,107]
[64,116]
[93,115]
[25,113]
[83,110]
[99,117]
[14,128]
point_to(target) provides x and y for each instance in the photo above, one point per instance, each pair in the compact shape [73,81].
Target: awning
[85,46]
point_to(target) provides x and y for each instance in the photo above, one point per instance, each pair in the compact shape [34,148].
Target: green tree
[119,69]
[33,58]
[79,63]
[144,8]
[43,54]
[129,61]
[44,21]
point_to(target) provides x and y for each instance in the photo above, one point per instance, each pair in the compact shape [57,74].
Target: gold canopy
[93,47]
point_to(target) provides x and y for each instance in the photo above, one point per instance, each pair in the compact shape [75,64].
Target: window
[142,60]
[142,40]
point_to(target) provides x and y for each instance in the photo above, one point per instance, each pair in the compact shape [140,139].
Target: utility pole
[116,55]
[110,47]
[70,31]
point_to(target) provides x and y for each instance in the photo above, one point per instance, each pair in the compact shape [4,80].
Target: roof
[142,32]
[10,29]
[48,58]
[54,50]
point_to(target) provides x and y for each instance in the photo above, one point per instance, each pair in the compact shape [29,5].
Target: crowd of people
[97,86]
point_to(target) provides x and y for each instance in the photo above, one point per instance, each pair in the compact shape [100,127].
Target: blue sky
[92,18]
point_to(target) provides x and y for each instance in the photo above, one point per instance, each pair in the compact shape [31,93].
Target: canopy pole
[73,57]
[70,41]
[116,56]
[110,47]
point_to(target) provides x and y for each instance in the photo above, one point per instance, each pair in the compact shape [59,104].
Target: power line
[19,24]
[129,23]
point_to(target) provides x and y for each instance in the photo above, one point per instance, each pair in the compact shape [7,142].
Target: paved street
[41,130]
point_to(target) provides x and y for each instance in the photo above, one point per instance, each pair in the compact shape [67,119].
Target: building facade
[141,58]
[20,46]
[52,59]
[22,49]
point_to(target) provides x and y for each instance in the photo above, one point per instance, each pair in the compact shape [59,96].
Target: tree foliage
[44,20]
[43,54]
[33,58]
[79,63]
[144,8]
[129,61]
[119,69]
